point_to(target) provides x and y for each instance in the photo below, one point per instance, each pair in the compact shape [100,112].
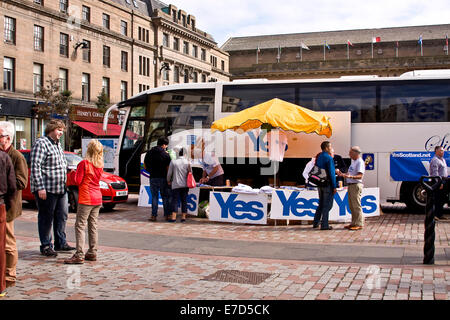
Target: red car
[114,188]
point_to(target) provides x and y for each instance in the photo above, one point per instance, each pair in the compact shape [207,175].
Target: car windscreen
[72,160]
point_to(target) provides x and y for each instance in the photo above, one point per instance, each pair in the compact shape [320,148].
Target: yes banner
[241,208]
[302,205]
[411,166]
[145,199]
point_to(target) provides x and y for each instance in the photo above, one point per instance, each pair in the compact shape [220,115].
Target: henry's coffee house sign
[92,115]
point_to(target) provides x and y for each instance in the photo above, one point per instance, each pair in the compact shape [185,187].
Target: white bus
[406,113]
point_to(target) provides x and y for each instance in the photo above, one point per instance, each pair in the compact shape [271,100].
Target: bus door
[141,136]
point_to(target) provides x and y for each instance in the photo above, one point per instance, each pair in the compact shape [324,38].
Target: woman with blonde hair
[87,177]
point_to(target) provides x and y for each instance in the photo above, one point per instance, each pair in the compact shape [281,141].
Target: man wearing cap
[355,187]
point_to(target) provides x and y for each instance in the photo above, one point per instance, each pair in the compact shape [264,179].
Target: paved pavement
[143,260]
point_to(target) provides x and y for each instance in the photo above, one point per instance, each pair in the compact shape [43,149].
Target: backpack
[318,177]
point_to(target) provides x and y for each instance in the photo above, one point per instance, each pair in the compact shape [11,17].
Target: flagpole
[421,48]
[257,57]
[324,52]
[301,53]
[372,48]
[348,51]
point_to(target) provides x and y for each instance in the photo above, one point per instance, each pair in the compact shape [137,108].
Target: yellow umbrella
[279,114]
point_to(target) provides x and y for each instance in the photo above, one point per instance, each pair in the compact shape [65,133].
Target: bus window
[417,101]
[134,133]
[360,99]
[240,97]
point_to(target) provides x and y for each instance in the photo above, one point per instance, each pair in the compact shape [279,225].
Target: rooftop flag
[420,40]
[326,45]
[376,39]
[304,46]
[349,43]
[421,45]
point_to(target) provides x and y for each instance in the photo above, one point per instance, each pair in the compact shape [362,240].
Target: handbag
[318,177]
[191,183]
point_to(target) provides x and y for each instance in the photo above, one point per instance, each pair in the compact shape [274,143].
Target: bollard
[431,184]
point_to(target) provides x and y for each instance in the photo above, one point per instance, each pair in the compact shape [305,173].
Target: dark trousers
[179,195]
[440,199]
[160,184]
[218,181]
[52,211]
[326,198]
[2,247]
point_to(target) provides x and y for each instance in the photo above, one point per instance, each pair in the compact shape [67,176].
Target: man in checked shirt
[48,183]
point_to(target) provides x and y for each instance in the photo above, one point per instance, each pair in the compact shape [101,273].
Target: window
[37,77]
[63,79]
[165,40]
[176,74]
[214,61]
[106,21]
[105,86]
[10,30]
[64,44]
[174,15]
[195,51]
[9,65]
[183,19]
[203,77]
[176,44]
[143,87]
[186,76]
[39,2]
[166,75]
[147,39]
[223,65]
[195,77]
[124,61]
[144,66]
[124,28]
[123,90]
[86,87]
[106,56]
[140,33]
[203,54]
[86,13]
[63,4]
[38,38]
[87,51]
[185,47]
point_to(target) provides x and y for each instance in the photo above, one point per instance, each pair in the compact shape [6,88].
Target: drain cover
[236,276]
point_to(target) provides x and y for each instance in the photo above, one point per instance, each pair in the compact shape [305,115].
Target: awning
[97,128]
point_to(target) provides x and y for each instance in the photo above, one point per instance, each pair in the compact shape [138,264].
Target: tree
[102,102]
[55,102]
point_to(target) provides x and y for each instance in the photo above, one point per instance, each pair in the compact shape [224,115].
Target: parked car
[114,188]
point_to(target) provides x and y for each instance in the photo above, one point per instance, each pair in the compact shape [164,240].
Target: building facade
[382,52]
[94,46]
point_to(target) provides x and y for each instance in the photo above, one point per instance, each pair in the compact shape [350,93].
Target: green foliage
[102,102]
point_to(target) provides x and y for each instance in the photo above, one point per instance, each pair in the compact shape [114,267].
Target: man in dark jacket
[326,193]
[7,189]
[21,171]
[156,162]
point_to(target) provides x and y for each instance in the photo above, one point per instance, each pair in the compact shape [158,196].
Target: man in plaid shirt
[48,183]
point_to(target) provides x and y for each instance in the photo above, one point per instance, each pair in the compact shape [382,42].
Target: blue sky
[234,18]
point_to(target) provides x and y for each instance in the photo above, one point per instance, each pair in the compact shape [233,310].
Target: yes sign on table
[301,205]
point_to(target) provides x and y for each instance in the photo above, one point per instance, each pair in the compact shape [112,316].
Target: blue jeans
[160,184]
[179,195]
[53,210]
[326,198]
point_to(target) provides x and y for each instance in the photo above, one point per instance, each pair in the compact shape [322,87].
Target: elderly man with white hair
[21,172]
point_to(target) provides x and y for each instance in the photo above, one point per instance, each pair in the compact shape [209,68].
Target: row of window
[186,47]
[9,74]
[186,75]
[86,15]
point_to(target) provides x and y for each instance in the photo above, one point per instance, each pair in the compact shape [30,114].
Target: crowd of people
[168,178]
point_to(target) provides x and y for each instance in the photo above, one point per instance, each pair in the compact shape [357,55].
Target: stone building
[121,47]
[382,52]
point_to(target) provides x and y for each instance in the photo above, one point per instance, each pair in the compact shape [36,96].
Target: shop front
[19,112]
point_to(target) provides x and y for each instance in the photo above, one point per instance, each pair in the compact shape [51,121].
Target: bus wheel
[414,196]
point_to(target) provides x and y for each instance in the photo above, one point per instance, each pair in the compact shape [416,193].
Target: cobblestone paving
[389,229]
[139,274]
